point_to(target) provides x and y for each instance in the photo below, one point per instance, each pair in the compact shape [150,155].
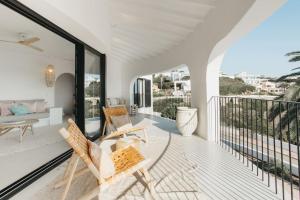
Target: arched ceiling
[143,28]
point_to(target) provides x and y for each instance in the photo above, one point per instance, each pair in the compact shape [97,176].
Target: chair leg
[148,181]
[67,171]
[71,162]
[95,192]
[72,171]
[104,127]
[146,136]
[77,174]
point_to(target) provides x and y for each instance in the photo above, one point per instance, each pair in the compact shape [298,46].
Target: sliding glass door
[92,89]
[43,84]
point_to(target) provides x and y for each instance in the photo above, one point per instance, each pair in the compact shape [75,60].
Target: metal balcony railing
[264,135]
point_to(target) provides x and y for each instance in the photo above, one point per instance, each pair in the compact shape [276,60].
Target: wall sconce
[50,76]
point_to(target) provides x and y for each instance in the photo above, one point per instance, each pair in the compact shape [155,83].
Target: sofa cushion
[11,118]
[29,101]
[41,106]
[31,106]
[5,109]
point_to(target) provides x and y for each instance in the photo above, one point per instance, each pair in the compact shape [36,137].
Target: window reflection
[92,93]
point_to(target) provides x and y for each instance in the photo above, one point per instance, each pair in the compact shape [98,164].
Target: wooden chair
[118,111]
[126,161]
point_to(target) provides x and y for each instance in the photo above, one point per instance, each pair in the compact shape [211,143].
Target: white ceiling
[12,23]
[144,28]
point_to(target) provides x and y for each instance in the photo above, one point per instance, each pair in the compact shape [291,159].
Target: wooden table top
[18,123]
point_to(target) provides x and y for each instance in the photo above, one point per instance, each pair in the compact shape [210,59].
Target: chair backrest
[114,111]
[77,141]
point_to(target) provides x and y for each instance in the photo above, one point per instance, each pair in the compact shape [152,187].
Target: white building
[271,87]
[222,74]
[250,79]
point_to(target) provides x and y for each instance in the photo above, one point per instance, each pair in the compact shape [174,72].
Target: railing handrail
[275,100]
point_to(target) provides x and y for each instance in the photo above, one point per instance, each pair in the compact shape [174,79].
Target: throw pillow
[19,109]
[101,159]
[31,106]
[5,109]
[41,106]
[114,101]
[121,122]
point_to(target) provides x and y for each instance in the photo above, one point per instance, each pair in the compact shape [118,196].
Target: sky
[262,51]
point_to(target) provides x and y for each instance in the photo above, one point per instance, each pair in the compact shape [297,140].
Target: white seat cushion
[102,160]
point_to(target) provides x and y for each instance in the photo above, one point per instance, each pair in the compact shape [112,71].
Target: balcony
[182,167]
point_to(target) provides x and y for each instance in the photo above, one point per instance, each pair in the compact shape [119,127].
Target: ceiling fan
[26,41]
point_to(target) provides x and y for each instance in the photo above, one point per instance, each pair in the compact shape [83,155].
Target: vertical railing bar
[225,123]
[239,129]
[221,116]
[262,139]
[235,129]
[228,124]
[274,144]
[243,131]
[298,155]
[218,118]
[247,132]
[251,134]
[232,126]
[256,135]
[217,112]
[215,123]
[281,153]
[268,152]
[289,141]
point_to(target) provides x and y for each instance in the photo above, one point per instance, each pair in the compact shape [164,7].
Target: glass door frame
[80,46]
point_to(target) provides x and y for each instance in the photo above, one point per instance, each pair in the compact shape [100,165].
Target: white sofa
[43,117]
[114,102]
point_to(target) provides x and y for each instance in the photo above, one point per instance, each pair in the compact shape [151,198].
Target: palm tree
[291,95]
[294,57]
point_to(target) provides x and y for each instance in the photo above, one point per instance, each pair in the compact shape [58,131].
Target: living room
[37,84]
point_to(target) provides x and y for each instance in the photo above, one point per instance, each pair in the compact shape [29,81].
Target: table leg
[23,130]
[31,127]
[5,130]
[21,134]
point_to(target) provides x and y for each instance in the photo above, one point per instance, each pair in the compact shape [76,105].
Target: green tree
[236,86]
[93,90]
[288,111]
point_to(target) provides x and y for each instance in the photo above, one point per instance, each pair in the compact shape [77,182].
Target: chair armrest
[134,129]
[121,133]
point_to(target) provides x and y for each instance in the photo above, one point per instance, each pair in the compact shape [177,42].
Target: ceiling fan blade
[35,48]
[29,41]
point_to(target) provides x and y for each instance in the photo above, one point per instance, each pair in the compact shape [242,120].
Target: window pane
[92,93]
[37,84]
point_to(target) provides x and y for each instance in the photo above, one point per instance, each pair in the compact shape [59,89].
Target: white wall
[22,76]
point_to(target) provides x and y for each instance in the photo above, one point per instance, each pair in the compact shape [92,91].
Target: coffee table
[23,125]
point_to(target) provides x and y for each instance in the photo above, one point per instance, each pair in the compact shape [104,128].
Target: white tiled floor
[182,168]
